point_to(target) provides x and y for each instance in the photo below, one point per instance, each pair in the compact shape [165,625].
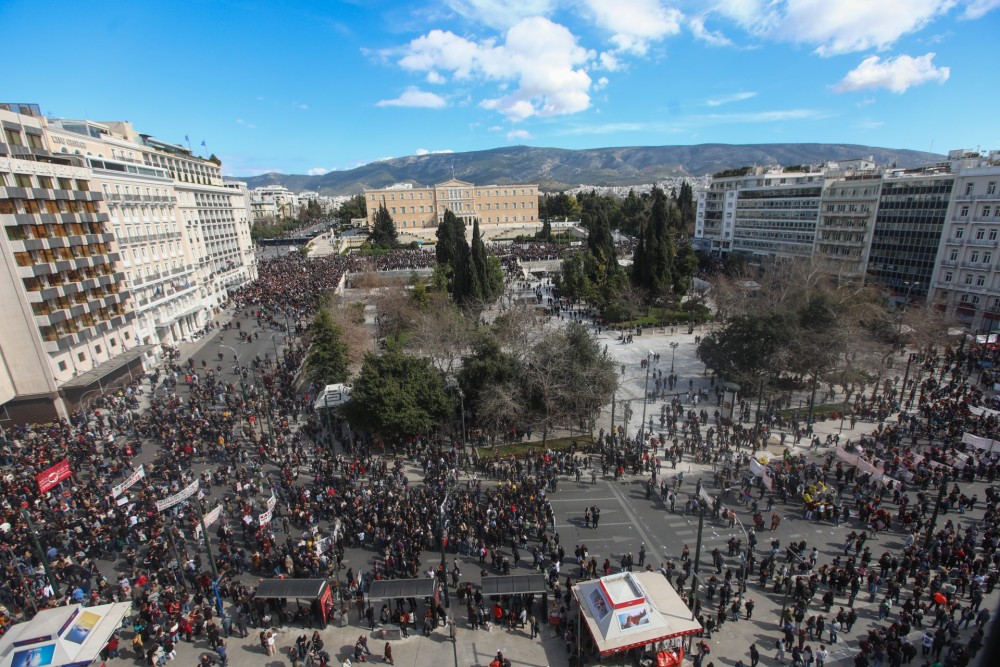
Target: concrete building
[421,207]
[66,329]
[761,211]
[847,221]
[966,281]
[274,202]
[159,267]
[908,228]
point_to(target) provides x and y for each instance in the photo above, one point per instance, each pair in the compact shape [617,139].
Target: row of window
[991,188]
[986,211]
[25,232]
[52,206]
[43,182]
[78,324]
[14,138]
[58,303]
[452,194]
[48,255]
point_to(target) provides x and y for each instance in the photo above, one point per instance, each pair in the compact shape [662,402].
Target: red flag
[49,478]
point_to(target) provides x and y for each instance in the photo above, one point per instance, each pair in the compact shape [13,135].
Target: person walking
[780,648]
[754,655]
[749,605]
[821,655]
[387,654]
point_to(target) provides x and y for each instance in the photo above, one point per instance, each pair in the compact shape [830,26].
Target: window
[45,182]
[974,258]
[35,141]
[968,279]
[993,235]
[991,188]
[968,188]
[963,212]
[62,365]
[980,280]
[986,211]
[81,357]
[13,137]
[980,234]
[953,257]
[948,276]
[22,180]
[959,232]
[988,258]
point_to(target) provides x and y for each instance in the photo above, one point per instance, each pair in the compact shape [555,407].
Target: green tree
[687,205]
[450,239]
[748,347]
[397,395]
[327,360]
[489,274]
[354,208]
[652,263]
[685,265]
[383,233]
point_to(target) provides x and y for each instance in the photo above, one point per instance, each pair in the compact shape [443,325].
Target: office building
[847,222]
[908,226]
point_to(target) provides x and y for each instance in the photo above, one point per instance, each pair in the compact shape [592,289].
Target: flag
[203,143]
[186,138]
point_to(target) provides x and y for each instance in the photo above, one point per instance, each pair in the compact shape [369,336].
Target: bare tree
[441,333]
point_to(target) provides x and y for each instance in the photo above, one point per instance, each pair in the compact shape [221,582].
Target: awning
[518,583]
[109,367]
[303,589]
[390,589]
[630,610]
[72,635]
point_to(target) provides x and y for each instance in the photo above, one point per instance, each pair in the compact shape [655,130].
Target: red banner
[49,478]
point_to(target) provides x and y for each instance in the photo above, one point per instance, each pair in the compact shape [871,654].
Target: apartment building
[847,221]
[966,280]
[420,207]
[66,326]
[908,227]
[274,202]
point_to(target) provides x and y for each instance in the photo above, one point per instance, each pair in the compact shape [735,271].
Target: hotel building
[64,301]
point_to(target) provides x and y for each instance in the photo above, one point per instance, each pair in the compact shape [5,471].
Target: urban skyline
[322,86]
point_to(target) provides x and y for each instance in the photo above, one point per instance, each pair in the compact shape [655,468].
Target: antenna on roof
[452,170]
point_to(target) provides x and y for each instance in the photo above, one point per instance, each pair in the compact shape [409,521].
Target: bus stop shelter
[513,585]
[317,591]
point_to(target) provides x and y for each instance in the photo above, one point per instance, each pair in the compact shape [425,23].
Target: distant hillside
[556,168]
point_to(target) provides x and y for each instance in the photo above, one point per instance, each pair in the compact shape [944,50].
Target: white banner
[118,489]
[844,455]
[271,502]
[213,516]
[980,442]
[178,497]
[265,518]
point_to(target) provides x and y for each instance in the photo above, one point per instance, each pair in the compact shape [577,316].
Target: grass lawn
[519,448]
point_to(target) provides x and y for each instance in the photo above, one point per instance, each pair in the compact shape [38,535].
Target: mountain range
[555,169]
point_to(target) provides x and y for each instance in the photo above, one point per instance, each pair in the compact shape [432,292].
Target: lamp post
[910,284]
[461,407]
[673,348]
[645,399]
[239,369]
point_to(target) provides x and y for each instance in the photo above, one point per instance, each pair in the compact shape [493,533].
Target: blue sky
[316,85]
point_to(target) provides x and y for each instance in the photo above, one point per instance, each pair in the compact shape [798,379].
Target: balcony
[982,242]
[975,197]
[955,240]
[949,262]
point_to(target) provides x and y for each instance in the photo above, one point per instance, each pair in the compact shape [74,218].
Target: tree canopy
[397,395]
[328,353]
[383,233]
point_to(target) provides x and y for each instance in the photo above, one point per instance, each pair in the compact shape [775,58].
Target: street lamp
[673,348]
[910,284]
[645,398]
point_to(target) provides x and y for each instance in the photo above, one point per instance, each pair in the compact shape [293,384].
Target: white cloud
[434,78]
[601,83]
[867,102]
[634,24]
[501,13]
[608,61]
[424,151]
[735,97]
[844,26]
[978,8]
[711,37]
[414,97]
[518,135]
[249,126]
[542,58]
[869,124]
[301,106]
[896,74]
[317,171]
[496,128]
